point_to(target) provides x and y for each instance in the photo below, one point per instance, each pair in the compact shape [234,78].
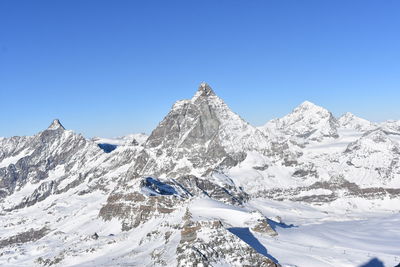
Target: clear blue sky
[109,68]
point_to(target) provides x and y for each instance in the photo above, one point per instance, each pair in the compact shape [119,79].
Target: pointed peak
[204,90]
[309,107]
[348,116]
[55,125]
[308,104]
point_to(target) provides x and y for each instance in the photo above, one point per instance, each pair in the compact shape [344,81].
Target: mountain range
[205,188]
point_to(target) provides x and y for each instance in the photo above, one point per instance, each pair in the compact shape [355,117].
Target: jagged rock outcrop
[28,236]
[155,197]
[135,208]
[261,225]
[205,243]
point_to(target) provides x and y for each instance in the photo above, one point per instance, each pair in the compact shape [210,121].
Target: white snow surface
[332,236]
[335,234]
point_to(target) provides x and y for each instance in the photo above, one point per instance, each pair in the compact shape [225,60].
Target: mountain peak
[307,121]
[351,121]
[204,131]
[308,110]
[307,105]
[204,90]
[55,125]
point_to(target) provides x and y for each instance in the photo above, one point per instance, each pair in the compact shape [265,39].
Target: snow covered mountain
[198,136]
[350,121]
[34,161]
[391,127]
[307,121]
[376,154]
[205,188]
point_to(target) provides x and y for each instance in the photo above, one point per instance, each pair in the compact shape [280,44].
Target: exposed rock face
[33,159]
[328,191]
[12,148]
[135,208]
[200,134]
[262,226]
[205,243]
[156,197]
[28,236]
[227,194]
[44,190]
[56,125]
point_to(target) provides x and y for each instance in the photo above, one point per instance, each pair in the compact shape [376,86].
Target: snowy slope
[330,235]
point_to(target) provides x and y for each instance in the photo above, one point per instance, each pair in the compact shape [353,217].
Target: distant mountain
[32,160]
[391,127]
[375,158]
[350,121]
[307,121]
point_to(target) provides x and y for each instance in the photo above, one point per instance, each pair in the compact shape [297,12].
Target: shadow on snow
[373,263]
[251,240]
[274,225]
[159,187]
